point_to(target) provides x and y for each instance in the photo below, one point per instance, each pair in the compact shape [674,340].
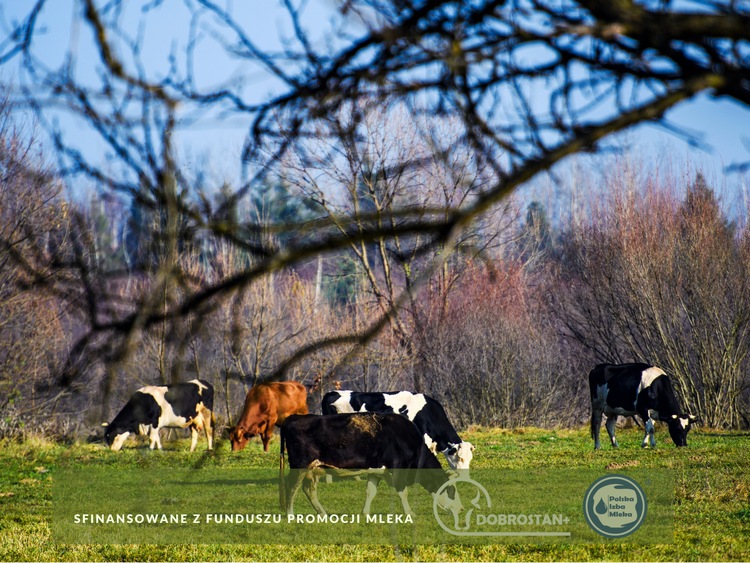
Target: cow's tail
[282,481]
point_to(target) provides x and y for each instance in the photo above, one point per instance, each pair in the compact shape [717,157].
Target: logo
[476,515]
[615,506]
[480,499]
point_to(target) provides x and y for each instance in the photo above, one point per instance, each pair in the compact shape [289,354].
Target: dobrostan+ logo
[480,518]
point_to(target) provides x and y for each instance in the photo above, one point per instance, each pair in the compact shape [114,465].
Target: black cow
[425,412]
[629,389]
[153,407]
[384,446]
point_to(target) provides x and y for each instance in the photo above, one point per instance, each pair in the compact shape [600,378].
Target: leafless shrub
[493,359]
[661,276]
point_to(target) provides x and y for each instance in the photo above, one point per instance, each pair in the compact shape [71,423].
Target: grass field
[711,499]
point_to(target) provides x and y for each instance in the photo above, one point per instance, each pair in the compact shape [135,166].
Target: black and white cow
[158,406]
[629,389]
[425,412]
[382,446]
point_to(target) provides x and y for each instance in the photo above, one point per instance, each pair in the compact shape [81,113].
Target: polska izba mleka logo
[615,506]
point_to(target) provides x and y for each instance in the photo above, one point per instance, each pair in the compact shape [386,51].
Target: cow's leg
[653,435]
[293,482]
[403,495]
[265,436]
[611,422]
[208,428]
[193,437]
[310,487]
[372,490]
[268,433]
[596,426]
[649,436]
[154,440]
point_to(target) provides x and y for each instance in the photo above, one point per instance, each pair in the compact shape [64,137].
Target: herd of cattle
[389,435]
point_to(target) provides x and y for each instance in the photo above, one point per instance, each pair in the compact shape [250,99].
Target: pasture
[711,498]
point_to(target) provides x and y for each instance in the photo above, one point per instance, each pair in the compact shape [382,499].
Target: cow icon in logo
[615,506]
[480,501]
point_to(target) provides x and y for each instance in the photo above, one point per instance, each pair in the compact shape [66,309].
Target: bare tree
[662,278]
[595,69]
[34,236]
[493,358]
[369,170]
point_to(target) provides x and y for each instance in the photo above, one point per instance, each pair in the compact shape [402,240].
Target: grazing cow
[384,446]
[179,405]
[425,412]
[629,389]
[267,405]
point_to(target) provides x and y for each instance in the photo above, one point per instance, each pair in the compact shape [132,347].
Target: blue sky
[723,126]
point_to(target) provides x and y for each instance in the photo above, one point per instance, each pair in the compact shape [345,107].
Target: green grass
[711,512]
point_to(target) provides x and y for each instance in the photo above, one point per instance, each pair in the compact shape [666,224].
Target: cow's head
[114,437]
[679,425]
[459,456]
[240,436]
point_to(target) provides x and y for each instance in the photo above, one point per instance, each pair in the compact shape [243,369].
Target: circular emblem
[615,506]
[477,499]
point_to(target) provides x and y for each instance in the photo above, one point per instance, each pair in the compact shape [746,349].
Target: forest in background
[503,332]
[408,201]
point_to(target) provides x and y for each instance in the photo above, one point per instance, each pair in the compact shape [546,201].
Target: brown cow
[267,405]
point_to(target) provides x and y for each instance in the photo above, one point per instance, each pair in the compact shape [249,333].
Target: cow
[383,446]
[425,412]
[150,408]
[637,388]
[267,405]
